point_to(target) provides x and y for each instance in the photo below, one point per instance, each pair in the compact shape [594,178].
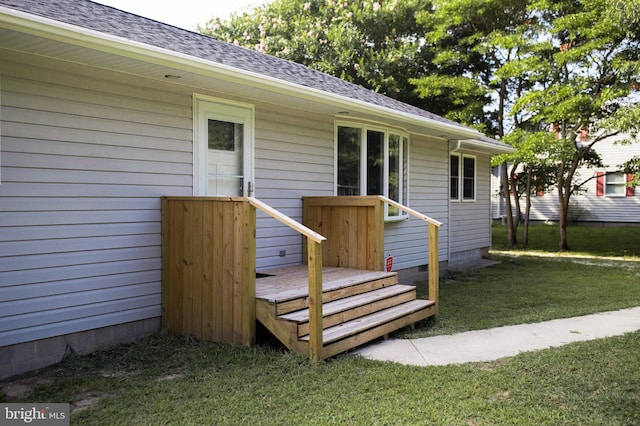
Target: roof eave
[480,145]
[92,39]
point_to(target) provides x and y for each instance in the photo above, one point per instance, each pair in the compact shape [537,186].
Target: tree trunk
[527,209]
[564,194]
[511,235]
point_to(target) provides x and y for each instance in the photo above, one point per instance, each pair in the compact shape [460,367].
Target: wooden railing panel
[209,268]
[354,227]
[355,238]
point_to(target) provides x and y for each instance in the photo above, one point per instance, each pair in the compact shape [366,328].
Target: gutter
[71,34]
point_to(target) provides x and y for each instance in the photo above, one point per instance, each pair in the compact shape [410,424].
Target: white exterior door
[224,148]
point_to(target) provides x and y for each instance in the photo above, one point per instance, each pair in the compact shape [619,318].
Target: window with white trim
[615,184]
[372,161]
[462,177]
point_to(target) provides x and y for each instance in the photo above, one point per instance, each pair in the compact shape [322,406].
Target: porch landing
[281,284]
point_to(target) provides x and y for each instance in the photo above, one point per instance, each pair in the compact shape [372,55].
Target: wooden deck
[357,306]
[338,299]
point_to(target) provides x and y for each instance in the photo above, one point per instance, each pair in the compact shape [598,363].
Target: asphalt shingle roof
[108,20]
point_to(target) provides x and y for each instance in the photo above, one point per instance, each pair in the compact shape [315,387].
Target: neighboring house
[605,199]
[104,112]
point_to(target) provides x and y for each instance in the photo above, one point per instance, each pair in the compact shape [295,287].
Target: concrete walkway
[495,343]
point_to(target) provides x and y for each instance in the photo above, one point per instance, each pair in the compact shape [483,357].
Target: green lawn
[598,241]
[540,284]
[171,380]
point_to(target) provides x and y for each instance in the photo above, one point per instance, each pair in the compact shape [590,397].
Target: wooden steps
[358,306]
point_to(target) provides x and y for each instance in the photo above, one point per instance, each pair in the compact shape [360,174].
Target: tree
[375,44]
[477,44]
[583,94]
[553,77]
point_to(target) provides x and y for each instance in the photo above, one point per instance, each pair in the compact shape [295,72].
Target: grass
[583,240]
[172,380]
[166,379]
[539,284]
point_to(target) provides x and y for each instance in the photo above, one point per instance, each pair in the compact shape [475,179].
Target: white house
[605,198]
[104,112]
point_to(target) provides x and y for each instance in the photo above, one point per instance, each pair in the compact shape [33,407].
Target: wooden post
[314,264]
[434,270]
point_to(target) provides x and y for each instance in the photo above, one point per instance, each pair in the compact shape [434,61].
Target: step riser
[329,296]
[358,306]
[373,333]
[348,315]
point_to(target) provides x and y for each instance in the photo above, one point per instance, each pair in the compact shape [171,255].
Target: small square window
[615,184]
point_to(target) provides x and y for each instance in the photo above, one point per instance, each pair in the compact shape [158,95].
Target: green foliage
[373,44]
[633,166]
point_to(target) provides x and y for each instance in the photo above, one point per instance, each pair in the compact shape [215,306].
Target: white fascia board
[473,144]
[96,40]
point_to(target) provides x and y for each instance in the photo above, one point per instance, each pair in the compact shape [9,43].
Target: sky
[183,13]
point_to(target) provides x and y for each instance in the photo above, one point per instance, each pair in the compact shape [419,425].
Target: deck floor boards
[292,282]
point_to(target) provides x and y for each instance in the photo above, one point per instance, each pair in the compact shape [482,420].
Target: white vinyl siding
[470,225]
[294,158]
[86,156]
[407,241]
[586,206]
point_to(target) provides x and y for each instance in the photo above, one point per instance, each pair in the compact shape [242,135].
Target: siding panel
[86,155]
[470,225]
[407,241]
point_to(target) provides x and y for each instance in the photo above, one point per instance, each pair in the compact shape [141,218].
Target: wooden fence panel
[208,282]
[354,227]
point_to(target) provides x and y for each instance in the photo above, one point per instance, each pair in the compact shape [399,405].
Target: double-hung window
[372,161]
[614,184]
[462,177]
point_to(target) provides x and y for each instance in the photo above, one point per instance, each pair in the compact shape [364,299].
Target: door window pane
[225,158]
[221,135]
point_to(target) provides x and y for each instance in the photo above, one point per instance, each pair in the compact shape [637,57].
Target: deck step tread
[292,283]
[366,322]
[351,302]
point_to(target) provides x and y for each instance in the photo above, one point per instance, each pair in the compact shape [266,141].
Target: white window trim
[460,198]
[363,162]
[221,107]
[475,178]
[608,175]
